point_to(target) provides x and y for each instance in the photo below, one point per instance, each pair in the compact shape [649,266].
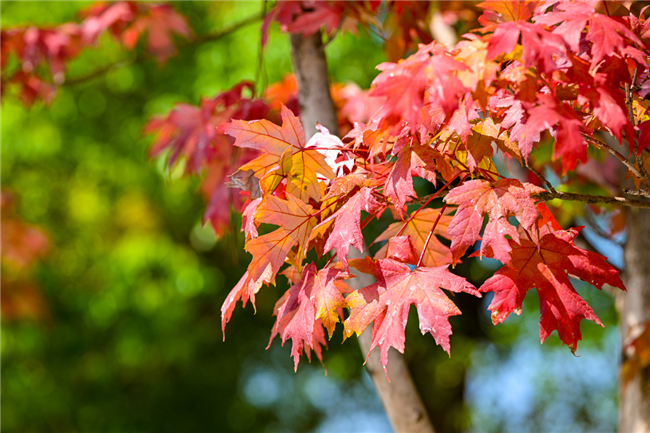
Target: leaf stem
[541,177]
[426,243]
[604,146]
[431,197]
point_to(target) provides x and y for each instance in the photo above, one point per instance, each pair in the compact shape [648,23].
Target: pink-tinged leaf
[322,15]
[399,185]
[311,303]
[459,122]
[418,229]
[424,162]
[387,303]
[404,85]
[346,230]
[546,267]
[475,198]
[248,225]
[570,145]
[495,244]
[515,120]
[606,34]
[245,290]
[401,248]
[541,49]
[503,40]
[101,17]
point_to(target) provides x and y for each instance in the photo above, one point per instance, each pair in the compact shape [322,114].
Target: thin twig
[624,160]
[440,193]
[142,57]
[427,198]
[586,198]
[542,178]
[426,244]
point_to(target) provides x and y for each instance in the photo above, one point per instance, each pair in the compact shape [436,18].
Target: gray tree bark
[634,311]
[400,397]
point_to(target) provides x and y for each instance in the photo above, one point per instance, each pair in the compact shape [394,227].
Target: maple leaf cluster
[535,73]
[535,86]
[41,53]
[401,25]
[188,134]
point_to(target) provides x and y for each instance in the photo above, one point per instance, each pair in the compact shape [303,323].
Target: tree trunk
[310,67]
[400,398]
[634,311]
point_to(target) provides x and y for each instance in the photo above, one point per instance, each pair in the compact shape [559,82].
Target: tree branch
[586,198]
[606,147]
[142,57]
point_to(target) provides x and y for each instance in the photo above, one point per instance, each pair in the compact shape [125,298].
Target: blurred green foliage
[134,282]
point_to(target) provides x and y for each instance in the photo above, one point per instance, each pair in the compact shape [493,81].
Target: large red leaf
[404,84]
[270,250]
[570,145]
[606,34]
[387,303]
[475,198]
[345,223]
[546,267]
[310,304]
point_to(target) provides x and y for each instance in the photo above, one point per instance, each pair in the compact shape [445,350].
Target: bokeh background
[118,328]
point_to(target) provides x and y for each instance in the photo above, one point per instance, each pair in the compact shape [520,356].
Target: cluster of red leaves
[42,53]
[22,245]
[402,25]
[535,70]
[189,133]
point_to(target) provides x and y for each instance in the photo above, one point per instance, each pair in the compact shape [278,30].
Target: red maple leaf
[310,304]
[345,224]
[387,303]
[475,198]
[399,185]
[541,48]
[606,34]
[191,132]
[546,267]
[404,84]
[284,155]
[604,94]
[569,145]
